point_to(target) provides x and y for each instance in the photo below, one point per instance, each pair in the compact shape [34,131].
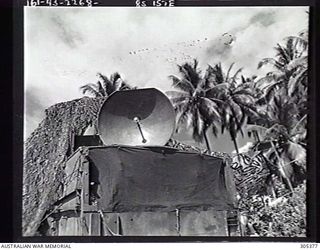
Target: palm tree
[291,69]
[284,92]
[283,101]
[105,86]
[284,138]
[191,102]
[236,102]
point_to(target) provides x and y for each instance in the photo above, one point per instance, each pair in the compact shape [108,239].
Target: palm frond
[174,94]
[181,106]
[197,123]
[211,74]
[263,82]
[107,84]
[243,80]
[91,89]
[272,62]
[200,125]
[209,109]
[290,49]
[182,84]
[191,73]
[296,81]
[228,72]
[177,100]
[190,117]
[301,62]
[117,82]
[195,65]
[237,113]
[100,88]
[269,90]
[218,73]
[115,77]
[208,79]
[182,109]
[234,77]
[301,41]
[125,86]
[214,129]
[218,91]
[245,91]
[282,53]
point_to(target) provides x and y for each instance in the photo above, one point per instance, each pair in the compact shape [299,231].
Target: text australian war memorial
[114,162]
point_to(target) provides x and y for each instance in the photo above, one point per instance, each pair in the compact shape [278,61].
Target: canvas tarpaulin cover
[157,179]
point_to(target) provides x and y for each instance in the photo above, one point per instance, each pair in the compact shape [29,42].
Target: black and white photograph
[183,121]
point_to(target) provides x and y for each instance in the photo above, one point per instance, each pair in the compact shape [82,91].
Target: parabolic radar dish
[141,117]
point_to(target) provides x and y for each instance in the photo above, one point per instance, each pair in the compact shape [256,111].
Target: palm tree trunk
[234,140]
[281,168]
[207,141]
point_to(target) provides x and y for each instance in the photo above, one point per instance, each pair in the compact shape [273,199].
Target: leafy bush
[284,216]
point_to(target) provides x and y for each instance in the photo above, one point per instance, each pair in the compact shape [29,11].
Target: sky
[65,48]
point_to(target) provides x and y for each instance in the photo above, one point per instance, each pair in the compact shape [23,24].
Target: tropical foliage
[213,99]
[192,102]
[273,108]
[236,101]
[285,105]
[105,86]
[284,216]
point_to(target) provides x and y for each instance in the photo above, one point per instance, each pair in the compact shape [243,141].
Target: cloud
[66,47]
[265,18]
[218,47]
[69,36]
